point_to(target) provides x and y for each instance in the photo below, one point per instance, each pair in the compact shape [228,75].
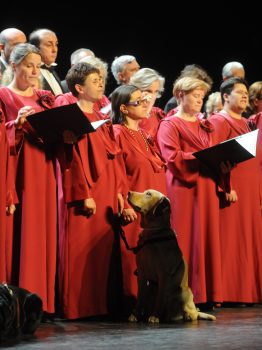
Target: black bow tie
[50,68]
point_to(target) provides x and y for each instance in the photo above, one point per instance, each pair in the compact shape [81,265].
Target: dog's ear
[162,206]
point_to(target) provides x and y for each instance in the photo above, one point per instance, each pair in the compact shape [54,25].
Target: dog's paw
[204,316]
[177,318]
[132,318]
[153,319]
[190,316]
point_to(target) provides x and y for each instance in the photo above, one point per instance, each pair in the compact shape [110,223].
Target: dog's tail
[204,316]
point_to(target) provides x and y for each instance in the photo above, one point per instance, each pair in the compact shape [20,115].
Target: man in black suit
[46,41]
[9,37]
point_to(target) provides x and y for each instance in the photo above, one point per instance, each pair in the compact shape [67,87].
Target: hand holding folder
[235,150]
[53,124]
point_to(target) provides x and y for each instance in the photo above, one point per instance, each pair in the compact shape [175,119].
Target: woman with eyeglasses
[151,83]
[144,169]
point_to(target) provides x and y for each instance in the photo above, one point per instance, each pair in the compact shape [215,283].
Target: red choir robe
[240,222]
[173,111]
[144,169]
[7,197]
[194,204]
[89,255]
[150,125]
[69,98]
[35,225]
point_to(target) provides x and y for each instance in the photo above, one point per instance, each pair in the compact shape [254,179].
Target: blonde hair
[212,103]
[255,92]
[188,84]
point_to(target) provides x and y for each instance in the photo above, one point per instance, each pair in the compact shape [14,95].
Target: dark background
[159,37]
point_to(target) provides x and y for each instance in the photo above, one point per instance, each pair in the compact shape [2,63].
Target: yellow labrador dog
[163,291]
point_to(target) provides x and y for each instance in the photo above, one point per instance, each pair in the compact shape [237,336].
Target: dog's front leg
[137,315]
[162,301]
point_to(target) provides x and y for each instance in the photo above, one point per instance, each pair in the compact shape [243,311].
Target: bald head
[233,69]
[77,55]
[9,38]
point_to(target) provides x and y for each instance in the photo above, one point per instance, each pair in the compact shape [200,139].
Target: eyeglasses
[136,103]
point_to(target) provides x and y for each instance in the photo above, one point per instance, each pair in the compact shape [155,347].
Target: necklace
[141,133]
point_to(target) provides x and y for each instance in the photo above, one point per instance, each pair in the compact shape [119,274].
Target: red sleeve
[64,99]
[15,136]
[221,132]
[123,187]
[75,185]
[183,165]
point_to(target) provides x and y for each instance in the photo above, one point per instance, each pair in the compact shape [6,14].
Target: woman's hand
[69,137]
[10,209]
[89,206]
[23,113]
[129,215]
[232,196]
[121,203]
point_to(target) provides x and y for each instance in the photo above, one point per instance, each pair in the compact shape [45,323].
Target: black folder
[51,123]
[235,150]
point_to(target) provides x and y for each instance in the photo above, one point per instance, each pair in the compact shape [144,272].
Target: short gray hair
[143,78]
[119,64]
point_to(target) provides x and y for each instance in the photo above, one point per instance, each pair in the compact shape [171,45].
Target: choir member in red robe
[7,200]
[89,256]
[240,222]
[35,218]
[144,168]
[192,190]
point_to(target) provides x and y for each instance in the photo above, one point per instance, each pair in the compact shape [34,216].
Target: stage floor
[235,328]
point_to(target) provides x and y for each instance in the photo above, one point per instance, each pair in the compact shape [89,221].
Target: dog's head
[20,312]
[149,202]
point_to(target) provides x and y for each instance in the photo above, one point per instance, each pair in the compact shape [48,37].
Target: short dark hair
[228,86]
[77,75]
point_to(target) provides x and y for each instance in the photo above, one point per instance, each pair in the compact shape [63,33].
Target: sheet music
[99,123]
[249,141]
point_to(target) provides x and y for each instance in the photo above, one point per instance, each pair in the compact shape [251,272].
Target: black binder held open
[235,150]
[51,123]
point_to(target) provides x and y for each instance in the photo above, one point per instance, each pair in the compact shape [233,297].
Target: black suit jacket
[46,86]
[2,67]
[64,86]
